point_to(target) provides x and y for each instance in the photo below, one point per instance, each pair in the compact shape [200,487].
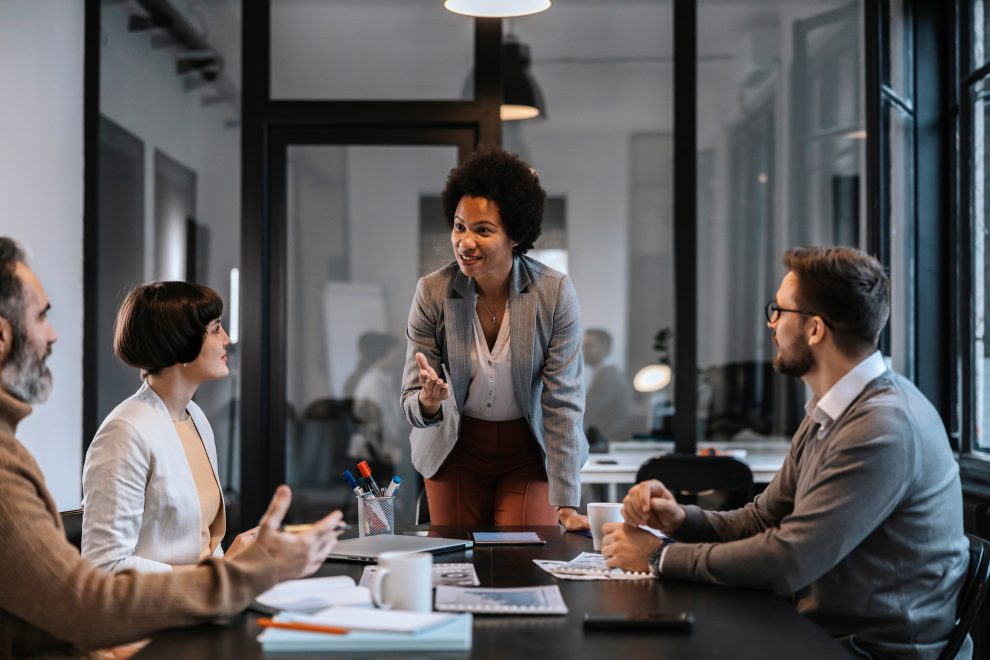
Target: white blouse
[490,393]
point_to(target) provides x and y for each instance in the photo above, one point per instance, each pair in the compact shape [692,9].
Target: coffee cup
[600,513]
[403,581]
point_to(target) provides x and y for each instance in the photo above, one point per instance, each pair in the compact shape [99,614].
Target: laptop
[367,548]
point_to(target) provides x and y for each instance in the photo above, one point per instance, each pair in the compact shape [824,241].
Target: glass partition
[358,50]
[780,163]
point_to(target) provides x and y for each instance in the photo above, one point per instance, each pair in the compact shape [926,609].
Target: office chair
[971,597]
[688,476]
[72,522]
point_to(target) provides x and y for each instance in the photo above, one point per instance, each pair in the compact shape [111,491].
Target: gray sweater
[863,526]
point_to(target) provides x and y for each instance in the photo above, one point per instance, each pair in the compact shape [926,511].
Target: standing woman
[151,492]
[499,439]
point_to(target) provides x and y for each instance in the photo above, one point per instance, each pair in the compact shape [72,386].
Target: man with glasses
[863,523]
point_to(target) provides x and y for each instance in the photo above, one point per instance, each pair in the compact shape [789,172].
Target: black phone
[667,621]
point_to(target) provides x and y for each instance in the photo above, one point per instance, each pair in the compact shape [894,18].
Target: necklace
[494,316]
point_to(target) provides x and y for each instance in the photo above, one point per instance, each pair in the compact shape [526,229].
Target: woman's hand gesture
[434,391]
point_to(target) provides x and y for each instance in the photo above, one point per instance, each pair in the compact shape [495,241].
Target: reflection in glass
[353,214]
[169,186]
[604,154]
[780,161]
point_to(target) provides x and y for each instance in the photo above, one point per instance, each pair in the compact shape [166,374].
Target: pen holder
[376,515]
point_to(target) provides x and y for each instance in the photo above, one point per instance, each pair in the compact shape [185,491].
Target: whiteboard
[349,310]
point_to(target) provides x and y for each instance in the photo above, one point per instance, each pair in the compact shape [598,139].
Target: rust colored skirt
[493,476]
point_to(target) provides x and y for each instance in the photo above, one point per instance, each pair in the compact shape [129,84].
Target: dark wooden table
[729,623]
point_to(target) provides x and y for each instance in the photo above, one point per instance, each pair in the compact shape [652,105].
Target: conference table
[729,622]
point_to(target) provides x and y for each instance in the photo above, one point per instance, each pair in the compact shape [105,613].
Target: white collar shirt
[827,410]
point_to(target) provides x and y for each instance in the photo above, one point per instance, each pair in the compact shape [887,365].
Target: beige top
[490,393]
[214,525]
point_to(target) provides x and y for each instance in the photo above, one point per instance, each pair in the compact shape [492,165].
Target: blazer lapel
[458,308]
[522,328]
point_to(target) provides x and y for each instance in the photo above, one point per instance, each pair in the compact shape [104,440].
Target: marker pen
[368,479]
[393,486]
[352,482]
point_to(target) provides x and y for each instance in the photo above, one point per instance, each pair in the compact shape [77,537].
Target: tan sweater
[54,602]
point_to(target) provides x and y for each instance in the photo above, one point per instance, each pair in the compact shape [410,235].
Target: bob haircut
[507,180]
[164,323]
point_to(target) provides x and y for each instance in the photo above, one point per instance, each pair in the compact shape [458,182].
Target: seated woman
[151,492]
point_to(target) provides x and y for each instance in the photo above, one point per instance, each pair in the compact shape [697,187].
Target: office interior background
[290,154]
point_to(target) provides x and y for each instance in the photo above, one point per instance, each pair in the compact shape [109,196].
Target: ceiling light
[521,97]
[496,8]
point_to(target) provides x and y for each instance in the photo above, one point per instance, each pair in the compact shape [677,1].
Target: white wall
[41,192]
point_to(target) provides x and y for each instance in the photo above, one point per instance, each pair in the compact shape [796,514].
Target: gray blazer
[545,328]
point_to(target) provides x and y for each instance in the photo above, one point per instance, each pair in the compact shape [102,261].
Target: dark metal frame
[91,149]
[685,224]
[974,467]
[269,127]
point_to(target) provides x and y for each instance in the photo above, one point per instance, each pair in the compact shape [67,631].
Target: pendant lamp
[522,98]
[496,8]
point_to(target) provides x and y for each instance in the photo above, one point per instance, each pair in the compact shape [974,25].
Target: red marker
[366,473]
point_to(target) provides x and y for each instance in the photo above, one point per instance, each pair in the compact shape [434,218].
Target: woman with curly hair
[493,384]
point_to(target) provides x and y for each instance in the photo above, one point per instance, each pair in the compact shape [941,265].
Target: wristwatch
[654,561]
[558,508]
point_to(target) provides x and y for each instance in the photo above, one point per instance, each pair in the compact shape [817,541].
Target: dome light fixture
[497,8]
[521,96]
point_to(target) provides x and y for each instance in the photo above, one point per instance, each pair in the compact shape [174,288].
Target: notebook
[312,594]
[521,600]
[368,548]
[452,633]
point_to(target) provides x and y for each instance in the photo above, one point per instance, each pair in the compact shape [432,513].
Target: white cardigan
[140,506]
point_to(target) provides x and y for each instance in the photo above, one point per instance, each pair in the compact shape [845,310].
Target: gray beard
[26,376]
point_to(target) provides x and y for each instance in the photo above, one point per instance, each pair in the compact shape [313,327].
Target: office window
[972,391]
[781,163]
[360,50]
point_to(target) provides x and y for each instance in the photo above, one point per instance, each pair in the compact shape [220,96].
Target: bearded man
[53,603]
[863,523]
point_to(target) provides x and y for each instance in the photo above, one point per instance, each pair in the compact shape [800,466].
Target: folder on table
[453,635]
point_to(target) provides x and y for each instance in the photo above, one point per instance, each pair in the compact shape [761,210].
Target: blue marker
[393,486]
[352,482]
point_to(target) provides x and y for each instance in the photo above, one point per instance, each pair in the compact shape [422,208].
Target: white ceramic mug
[600,513]
[403,581]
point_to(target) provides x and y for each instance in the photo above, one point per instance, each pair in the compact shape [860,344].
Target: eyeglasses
[773,312]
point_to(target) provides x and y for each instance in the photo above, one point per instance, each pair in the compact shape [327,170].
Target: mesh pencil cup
[376,515]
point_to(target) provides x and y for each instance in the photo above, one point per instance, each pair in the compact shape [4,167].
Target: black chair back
[687,476]
[971,597]
[72,522]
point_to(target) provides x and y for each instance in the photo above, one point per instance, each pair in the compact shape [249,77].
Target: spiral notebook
[522,600]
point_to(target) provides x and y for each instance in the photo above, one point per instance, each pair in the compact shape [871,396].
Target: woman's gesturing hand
[433,391]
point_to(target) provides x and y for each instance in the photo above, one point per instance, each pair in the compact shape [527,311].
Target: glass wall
[781,151]
[604,152]
[360,50]
[350,281]
[169,185]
